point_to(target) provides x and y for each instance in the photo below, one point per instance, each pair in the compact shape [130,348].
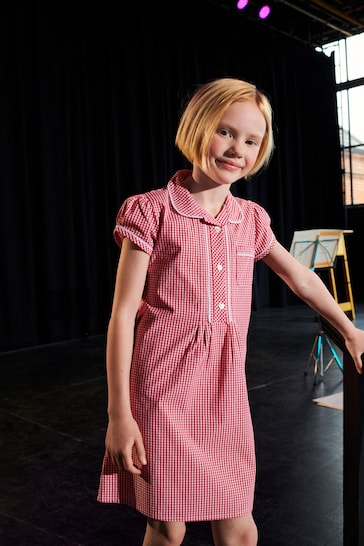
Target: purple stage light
[264,12]
[241,4]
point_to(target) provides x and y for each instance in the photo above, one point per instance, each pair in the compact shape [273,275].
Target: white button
[217,229]
[221,305]
[219,267]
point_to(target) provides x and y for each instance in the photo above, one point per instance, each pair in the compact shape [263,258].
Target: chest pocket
[244,265]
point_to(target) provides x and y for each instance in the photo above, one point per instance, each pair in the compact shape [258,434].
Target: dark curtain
[90,97]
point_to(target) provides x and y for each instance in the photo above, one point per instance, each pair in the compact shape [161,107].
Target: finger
[140,451]
[359,364]
[130,466]
[117,461]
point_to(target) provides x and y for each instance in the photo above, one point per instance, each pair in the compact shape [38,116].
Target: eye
[252,142]
[224,132]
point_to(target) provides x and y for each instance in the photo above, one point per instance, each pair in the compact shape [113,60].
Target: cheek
[216,147]
[253,155]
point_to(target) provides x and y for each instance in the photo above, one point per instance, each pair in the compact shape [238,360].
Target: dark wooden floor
[53,418]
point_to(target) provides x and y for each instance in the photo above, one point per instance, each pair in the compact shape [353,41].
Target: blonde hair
[203,112]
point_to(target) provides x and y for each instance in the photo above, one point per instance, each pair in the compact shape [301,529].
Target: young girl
[179,442]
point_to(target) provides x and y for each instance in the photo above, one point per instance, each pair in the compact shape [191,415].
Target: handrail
[353,464]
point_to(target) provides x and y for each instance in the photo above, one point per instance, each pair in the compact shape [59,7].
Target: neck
[209,195]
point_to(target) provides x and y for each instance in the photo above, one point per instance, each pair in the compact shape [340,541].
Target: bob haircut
[203,112]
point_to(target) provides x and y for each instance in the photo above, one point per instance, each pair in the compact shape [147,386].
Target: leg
[164,533]
[235,532]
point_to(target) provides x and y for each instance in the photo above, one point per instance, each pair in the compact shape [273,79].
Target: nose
[237,149]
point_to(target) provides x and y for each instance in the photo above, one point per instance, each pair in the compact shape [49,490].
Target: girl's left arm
[308,286]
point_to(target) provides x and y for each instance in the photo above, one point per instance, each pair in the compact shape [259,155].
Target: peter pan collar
[183,203]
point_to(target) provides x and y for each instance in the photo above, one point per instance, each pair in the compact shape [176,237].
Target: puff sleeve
[138,221]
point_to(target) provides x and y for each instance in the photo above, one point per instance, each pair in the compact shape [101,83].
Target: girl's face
[235,145]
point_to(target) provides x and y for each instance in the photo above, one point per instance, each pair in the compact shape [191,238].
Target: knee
[166,533]
[236,531]
[252,535]
[175,533]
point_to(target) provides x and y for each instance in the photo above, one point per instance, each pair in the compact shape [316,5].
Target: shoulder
[152,196]
[147,203]
[252,209]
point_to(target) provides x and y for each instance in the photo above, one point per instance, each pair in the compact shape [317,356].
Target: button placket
[218,258]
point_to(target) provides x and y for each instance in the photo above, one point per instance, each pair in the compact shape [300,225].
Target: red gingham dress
[188,386]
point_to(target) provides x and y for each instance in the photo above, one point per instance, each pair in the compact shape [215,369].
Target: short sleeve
[264,236]
[137,221]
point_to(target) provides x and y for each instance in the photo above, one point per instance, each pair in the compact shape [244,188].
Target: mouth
[229,165]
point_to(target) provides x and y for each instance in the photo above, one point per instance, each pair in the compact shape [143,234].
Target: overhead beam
[342,15]
[315,17]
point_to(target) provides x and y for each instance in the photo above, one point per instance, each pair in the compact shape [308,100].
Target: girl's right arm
[123,436]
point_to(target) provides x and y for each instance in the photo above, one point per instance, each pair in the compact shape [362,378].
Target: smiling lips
[229,165]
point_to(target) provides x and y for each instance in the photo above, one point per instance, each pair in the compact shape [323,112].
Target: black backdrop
[90,96]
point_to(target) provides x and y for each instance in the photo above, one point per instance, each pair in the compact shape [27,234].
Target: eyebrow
[256,135]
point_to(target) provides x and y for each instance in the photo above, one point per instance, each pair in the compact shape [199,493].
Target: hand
[125,446]
[355,346]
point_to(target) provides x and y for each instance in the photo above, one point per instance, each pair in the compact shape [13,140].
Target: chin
[228,180]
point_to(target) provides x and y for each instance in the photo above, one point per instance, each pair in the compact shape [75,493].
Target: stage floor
[53,419]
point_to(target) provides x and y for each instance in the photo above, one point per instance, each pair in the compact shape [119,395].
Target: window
[349,73]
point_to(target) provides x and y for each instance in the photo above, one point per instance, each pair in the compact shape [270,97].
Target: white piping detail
[249,254]
[230,313]
[209,275]
[128,231]
[177,209]
[264,253]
